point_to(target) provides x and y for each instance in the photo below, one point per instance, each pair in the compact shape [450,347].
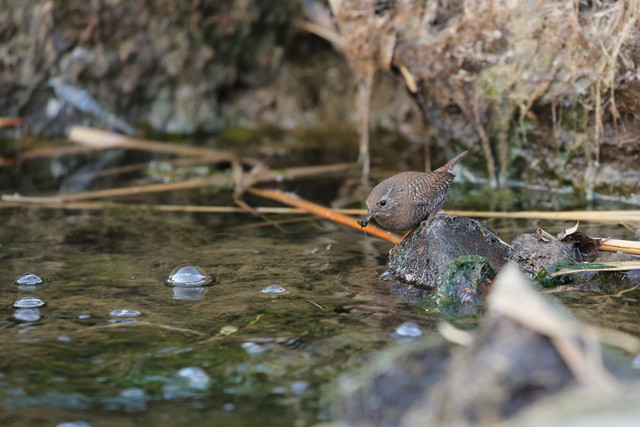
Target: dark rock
[517,357]
[533,254]
[395,381]
[424,257]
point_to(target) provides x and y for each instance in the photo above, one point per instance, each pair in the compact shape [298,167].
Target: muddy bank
[453,74]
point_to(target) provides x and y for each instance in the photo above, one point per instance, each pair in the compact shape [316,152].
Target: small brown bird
[405,200]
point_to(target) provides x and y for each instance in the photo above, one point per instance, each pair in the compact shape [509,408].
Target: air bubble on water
[28,301]
[124,313]
[27,314]
[74,424]
[299,387]
[278,390]
[196,378]
[134,399]
[407,330]
[252,348]
[133,393]
[273,290]
[84,316]
[328,247]
[188,275]
[28,279]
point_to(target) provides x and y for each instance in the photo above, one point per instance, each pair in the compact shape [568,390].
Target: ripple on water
[188,275]
[28,301]
[27,314]
[274,290]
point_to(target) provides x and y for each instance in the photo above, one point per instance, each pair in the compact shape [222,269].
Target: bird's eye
[383,202]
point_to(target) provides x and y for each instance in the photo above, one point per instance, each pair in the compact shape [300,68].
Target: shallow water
[114,344]
[267,356]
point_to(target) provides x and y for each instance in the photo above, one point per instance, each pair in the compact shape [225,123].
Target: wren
[404,201]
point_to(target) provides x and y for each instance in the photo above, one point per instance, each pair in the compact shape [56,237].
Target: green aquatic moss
[545,280]
[460,291]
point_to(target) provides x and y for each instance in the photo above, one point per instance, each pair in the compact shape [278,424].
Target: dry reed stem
[601,266]
[100,139]
[216,180]
[44,152]
[329,35]
[613,216]
[293,200]
[614,245]
[11,121]
[184,331]
[45,203]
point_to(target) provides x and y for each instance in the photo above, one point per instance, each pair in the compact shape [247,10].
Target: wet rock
[424,258]
[534,254]
[142,64]
[526,350]
[393,382]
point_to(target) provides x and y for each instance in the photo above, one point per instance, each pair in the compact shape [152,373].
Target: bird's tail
[451,163]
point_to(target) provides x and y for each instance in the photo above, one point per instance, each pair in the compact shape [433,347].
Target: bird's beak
[365,221]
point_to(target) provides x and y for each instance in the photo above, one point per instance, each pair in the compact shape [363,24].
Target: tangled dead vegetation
[504,69]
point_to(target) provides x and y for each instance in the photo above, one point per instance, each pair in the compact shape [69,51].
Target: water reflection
[234,352]
[190,293]
[27,314]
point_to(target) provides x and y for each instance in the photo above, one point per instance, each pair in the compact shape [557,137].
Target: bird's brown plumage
[403,201]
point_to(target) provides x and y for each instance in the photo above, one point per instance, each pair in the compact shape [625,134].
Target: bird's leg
[409,233]
[433,213]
